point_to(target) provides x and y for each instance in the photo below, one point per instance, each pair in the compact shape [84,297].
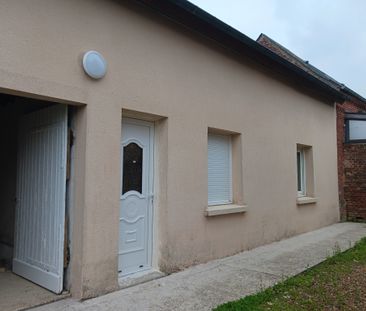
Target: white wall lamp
[94,64]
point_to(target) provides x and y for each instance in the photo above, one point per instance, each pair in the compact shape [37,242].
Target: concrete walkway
[205,286]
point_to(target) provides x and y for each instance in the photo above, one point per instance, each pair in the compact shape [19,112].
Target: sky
[330,34]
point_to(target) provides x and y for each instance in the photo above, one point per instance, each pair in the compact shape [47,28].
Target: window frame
[353,117]
[230,200]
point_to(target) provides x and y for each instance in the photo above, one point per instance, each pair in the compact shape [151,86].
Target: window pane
[132,168]
[357,129]
[299,187]
[219,169]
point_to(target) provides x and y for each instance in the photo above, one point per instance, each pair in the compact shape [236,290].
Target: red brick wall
[355,181]
[351,169]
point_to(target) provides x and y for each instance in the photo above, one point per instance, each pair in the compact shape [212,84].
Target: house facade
[198,143]
[351,136]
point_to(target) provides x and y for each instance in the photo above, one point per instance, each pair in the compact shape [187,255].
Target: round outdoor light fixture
[94,64]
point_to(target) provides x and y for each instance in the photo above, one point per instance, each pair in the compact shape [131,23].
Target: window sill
[216,210]
[306,200]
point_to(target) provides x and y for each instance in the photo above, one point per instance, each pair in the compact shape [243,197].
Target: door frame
[151,184]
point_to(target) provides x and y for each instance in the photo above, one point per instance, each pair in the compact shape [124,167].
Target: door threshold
[139,278]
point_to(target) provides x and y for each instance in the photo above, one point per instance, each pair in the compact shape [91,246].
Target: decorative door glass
[132,168]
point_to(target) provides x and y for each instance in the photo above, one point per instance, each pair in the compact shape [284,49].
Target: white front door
[136,208]
[41,186]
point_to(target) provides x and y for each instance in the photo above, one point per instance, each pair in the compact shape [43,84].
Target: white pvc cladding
[219,169]
[41,189]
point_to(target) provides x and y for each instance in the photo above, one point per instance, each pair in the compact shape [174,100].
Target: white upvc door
[41,186]
[136,208]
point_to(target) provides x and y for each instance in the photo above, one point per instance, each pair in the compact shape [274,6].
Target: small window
[305,171]
[219,169]
[301,178]
[356,128]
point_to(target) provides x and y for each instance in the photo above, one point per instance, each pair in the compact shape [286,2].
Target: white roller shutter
[357,129]
[219,169]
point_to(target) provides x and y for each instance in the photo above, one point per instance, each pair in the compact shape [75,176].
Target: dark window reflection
[132,168]
[299,186]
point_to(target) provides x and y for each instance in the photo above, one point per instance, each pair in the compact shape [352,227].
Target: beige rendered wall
[157,68]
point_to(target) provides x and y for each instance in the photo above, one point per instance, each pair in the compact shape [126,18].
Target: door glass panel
[132,168]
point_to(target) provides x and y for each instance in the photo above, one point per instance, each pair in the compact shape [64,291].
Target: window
[305,175]
[356,128]
[219,169]
[301,178]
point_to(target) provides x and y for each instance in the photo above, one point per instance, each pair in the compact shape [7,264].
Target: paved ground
[205,286]
[17,293]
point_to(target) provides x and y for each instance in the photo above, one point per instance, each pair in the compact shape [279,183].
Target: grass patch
[339,283]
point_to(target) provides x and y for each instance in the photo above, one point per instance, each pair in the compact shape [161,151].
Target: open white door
[41,187]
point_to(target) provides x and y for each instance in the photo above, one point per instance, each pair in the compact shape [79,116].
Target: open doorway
[33,166]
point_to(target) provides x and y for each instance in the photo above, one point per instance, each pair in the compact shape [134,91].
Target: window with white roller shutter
[219,169]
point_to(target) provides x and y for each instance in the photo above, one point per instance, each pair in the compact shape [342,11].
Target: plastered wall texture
[159,69]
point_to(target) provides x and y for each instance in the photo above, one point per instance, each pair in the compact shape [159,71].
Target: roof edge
[263,39]
[194,18]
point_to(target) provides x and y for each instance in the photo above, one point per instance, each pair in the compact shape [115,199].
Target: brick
[351,169]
